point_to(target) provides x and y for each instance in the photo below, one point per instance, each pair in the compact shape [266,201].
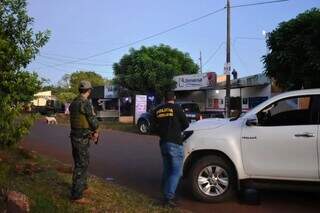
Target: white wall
[243,92]
[256,92]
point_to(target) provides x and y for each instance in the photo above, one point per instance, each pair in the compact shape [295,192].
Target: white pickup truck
[275,143]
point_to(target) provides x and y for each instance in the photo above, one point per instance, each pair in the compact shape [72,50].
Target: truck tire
[212,179]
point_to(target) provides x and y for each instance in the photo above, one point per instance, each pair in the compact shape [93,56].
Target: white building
[246,92]
[41,98]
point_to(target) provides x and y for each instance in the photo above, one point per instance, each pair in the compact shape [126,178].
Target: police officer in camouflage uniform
[84,126]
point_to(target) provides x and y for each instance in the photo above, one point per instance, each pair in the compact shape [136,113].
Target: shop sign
[140,106]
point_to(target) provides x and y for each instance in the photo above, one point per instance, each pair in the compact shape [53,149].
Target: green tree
[66,97]
[76,77]
[294,58]
[67,88]
[18,46]
[151,69]
[65,81]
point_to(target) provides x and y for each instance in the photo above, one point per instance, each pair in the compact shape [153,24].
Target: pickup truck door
[318,146]
[316,111]
[284,142]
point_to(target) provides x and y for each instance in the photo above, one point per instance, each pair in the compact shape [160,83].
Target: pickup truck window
[315,109]
[289,111]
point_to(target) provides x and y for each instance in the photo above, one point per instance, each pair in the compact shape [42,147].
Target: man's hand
[95,137]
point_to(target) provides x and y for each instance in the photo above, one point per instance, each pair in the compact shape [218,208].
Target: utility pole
[227,66]
[200,62]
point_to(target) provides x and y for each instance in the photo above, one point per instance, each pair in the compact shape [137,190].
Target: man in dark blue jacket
[169,121]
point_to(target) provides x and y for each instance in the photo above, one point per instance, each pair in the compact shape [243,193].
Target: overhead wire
[213,54]
[63,70]
[47,65]
[242,62]
[143,39]
[166,31]
[248,38]
[86,63]
[233,45]
[258,3]
[245,38]
[59,56]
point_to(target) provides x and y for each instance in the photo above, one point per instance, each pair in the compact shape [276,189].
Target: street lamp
[265,34]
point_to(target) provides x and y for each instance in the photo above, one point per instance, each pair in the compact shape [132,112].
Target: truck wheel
[143,127]
[212,179]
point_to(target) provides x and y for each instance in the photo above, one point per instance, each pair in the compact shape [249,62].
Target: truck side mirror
[252,122]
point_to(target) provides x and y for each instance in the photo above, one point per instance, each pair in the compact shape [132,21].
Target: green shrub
[19,45]
[13,124]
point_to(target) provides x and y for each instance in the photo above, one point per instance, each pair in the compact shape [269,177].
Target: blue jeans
[172,156]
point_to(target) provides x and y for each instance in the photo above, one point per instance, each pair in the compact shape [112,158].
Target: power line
[47,65]
[163,32]
[248,38]
[56,59]
[143,39]
[59,56]
[234,41]
[62,70]
[214,53]
[243,63]
[258,3]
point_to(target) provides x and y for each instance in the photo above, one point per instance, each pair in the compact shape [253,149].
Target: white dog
[51,120]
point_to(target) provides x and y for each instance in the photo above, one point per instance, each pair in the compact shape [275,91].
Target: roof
[249,81]
[43,94]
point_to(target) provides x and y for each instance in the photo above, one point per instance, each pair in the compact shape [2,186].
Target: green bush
[13,124]
[19,45]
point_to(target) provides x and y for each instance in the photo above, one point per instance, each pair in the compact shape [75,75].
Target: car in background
[191,110]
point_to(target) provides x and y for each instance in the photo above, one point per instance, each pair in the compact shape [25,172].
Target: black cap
[169,96]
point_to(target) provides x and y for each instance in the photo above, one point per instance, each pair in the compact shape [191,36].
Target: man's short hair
[169,96]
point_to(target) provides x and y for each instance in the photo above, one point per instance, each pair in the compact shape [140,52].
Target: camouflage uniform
[83,123]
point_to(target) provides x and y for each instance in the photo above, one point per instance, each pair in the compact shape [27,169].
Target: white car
[274,144]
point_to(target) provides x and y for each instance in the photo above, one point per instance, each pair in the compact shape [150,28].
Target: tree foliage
[18,46]
[151,69]
[294,58]
[75,78]
[66,97]
[67,88]
[65,81]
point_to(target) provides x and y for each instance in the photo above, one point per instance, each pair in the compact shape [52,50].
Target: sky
[82,28]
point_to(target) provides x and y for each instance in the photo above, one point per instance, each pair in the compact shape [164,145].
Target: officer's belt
[80,133]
